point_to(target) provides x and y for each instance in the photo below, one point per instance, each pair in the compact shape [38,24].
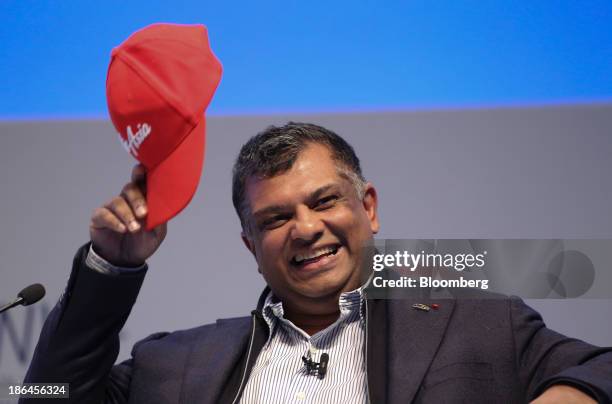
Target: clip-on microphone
[318,368]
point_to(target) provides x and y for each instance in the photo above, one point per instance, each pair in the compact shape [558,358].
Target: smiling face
[307,229]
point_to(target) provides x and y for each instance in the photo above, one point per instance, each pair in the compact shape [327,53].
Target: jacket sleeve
[79,342]
[546,358]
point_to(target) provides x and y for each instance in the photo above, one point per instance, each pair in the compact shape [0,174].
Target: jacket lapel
[212,360]
[413,339]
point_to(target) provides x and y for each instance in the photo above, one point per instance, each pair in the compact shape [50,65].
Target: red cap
[159,83]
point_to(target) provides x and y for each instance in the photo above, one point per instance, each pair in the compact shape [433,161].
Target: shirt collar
[349,303]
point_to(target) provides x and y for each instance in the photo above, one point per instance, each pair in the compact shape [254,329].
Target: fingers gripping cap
[158,86]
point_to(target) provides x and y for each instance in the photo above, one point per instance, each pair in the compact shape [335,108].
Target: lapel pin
[421,306]
[425,307]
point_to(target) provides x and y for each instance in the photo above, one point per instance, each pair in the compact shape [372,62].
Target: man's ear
[248,243]
[250,246]
[370,204]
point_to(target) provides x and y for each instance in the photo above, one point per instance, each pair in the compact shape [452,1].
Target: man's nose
[307,225]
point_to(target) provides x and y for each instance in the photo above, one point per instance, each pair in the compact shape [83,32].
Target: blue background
[290,56]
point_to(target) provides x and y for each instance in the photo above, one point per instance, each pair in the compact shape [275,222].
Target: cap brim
[172,184]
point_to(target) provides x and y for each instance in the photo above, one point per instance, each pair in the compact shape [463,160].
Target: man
[306,212]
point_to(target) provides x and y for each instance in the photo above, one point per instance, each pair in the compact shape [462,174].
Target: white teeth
[316,253]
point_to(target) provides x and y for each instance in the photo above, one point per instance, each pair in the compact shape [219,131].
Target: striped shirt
[279,374]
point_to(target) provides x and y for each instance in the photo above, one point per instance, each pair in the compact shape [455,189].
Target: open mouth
[314,256]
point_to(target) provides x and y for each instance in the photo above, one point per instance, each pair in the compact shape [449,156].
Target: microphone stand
[14,303]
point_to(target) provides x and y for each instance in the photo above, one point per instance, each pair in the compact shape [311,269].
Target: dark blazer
[467,351]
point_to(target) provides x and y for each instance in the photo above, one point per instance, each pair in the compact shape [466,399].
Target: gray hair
[275,150]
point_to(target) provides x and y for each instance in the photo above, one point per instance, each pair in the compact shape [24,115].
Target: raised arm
[79,342]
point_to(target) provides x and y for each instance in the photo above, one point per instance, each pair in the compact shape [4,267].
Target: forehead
[313,168]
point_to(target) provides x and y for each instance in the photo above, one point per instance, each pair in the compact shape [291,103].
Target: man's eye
[326,202]
[273,222]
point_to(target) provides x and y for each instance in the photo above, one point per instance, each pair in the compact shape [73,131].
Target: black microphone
[323,365]
[319,368]
[28,295]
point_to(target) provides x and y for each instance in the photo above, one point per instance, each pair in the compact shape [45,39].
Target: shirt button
[300,395]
